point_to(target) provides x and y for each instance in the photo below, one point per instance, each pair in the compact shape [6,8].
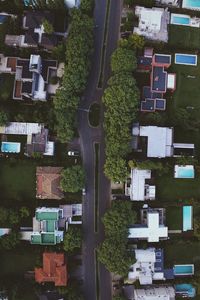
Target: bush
[72,179]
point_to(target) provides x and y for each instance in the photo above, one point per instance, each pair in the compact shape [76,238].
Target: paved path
[88,136]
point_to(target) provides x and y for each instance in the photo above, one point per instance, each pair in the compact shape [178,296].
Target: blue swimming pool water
[10,147]
[186,289]
[180,20]
[3,18]
[187,218]
[185,173]
[183,270]
[185,59]
[191,4]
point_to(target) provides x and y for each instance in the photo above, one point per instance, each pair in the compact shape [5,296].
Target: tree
[10,241]
[136,41]
[87,6]
[116,169]
[72,292]
[113,252]
[73,179]
[123,60]
[3,216]
[24,212]
[119,298]
[14,217]
[72,239]
[48,27]
[3,118]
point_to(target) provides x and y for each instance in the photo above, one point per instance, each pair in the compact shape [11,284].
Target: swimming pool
[183,270]
[191,4]
[10,147]
[185,290]
[187,218]
[185,59]
[184,171]
[177,19]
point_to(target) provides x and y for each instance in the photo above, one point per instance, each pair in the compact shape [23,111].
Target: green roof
[44,239]
[50,215]
[50,226]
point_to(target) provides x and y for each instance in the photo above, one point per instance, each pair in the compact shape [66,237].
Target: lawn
[6,86]
[17,180]
[171,189]
[182,252]
[184,37]
[174,217]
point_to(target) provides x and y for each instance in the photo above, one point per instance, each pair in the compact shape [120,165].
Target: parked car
[73,153]
[83,191]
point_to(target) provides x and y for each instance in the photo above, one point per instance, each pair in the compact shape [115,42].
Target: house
[153,23]
[139,186]
[37,137]
[54,269]
[32,76]
[46,226]
[149,266]
[50,223]
[160,81]
[159,142]
[48,183]
[145,62]
[160,292]
[152,226]
[35,34]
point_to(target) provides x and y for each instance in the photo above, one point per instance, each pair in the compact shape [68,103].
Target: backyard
[174,217]
[17,181]
[184,37]
[172,189]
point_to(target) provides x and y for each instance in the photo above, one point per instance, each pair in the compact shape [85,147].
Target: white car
[83,191]
[73,153]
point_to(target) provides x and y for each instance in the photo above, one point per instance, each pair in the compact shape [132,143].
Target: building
[153,23]
[160,81]
[35,35]
[159,142]
[152,226]
[54,269]
[149,266]
[37,137]
[48,183]
[32,76]
[46,226]
[160,292]
[139,186]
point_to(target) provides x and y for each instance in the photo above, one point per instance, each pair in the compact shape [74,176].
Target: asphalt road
[88,136]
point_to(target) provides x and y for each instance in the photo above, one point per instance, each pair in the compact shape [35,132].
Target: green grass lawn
[171,189]
[182,252]
[17,181]
[6,86]
[174,217]
[184,37]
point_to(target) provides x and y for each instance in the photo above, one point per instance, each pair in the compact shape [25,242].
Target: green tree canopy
[113,252]
[123,60]
[3,118]
[48,27]
[73,179]
[10,241]
[72,239]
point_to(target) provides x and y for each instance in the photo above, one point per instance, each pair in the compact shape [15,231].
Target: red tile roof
[54,269]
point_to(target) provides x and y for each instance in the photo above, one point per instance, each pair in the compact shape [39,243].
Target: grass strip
[96,185]
[97,276]
[103,50]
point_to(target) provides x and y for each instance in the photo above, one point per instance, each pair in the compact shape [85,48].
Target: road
[88,136]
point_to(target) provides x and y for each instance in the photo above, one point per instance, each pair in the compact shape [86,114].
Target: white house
[153,23]
[140,189]
[149,266]
[155,293]
[153,231]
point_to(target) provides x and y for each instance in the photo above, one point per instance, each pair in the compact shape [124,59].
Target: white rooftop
[171,81]
[160,141]
[144,267]
[152,232]
[139,190]
[155,293]
[21,128]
